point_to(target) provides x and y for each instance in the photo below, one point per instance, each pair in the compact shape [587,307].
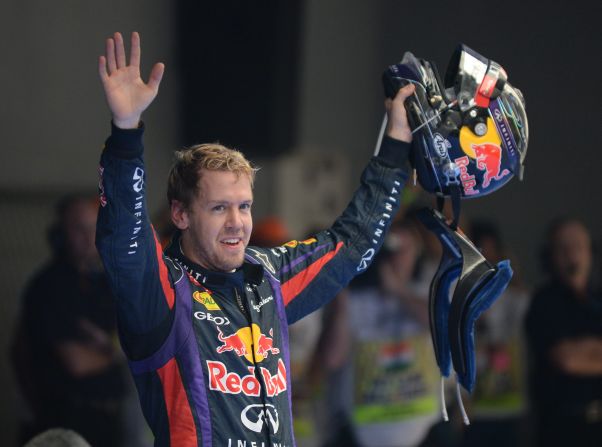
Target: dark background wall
[309,81]
[239,73]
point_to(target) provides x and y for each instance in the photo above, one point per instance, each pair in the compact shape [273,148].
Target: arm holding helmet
[313,271]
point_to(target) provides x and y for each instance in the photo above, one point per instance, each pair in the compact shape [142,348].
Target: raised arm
[126,241]
[313,271]
[126,93]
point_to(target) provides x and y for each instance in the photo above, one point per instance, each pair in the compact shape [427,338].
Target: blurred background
[296,86]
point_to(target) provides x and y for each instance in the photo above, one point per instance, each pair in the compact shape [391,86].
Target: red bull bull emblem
[243,341]
[489,159]
[220,379]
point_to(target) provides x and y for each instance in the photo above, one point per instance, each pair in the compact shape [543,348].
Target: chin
[231,263]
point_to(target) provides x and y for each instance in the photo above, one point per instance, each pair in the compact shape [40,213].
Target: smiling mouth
[231,242]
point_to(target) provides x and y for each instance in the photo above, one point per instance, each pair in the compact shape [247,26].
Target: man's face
[218,224]
[403,260]
[572,256]
[80,230]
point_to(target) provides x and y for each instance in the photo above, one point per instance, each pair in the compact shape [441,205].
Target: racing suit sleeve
[131,253]
[312,272]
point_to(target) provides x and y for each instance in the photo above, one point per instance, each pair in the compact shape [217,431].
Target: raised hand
[397,125]
[127,94]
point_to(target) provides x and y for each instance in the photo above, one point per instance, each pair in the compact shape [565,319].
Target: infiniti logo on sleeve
[138,179]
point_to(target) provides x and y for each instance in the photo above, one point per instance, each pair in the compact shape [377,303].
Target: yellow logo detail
[468,138]
[294,243]
[248,338]
[206,300]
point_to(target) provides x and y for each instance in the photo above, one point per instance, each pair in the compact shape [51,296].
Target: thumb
[156,76]
[404,92]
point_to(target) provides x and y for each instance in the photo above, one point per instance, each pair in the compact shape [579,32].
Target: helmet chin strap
[477,285]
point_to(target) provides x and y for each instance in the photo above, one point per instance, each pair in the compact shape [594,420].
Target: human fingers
[404,93]
[119,50]
[135,50]
[110,50]
[102,68]
[156,75]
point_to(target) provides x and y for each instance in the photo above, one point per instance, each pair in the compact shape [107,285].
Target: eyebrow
[221,202]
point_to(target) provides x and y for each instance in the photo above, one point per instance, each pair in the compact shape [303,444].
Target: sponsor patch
[206,300]
[229,382]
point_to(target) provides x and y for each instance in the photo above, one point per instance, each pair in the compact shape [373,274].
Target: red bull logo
[243,341]
[489,159]
[222,380]
[467,179]
[265,345]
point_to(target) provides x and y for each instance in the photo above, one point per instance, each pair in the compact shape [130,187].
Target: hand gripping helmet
[470,138]
[471,131]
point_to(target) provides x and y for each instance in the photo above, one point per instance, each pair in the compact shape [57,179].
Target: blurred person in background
[57,437]
[564,330]
[498,401]
[64,352]
[383,377]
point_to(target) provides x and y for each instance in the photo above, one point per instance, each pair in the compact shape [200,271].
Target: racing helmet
[470,130]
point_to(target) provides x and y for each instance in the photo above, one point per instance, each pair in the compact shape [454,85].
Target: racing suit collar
[248,272]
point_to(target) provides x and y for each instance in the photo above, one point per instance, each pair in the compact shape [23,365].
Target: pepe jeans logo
[255,416]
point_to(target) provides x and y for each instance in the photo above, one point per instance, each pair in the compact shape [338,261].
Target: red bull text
[220,379]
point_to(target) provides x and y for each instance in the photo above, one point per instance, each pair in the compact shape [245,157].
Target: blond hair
[183,182]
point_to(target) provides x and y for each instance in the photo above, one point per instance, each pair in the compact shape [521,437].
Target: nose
[234,220]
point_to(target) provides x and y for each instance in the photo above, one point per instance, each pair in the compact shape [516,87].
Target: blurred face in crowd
[79,223]
[403,260]
[572,255]
[217,225]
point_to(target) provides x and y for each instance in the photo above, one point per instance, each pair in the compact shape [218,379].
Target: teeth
[231,241]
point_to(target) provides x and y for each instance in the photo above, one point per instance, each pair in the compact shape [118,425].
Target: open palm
[127,94]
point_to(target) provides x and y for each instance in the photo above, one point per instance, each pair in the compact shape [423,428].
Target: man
[67,363]
[564,332]
[204,324]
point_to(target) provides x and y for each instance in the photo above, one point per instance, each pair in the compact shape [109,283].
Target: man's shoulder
[53,272]
[266,257]
[549,294]
[175,269]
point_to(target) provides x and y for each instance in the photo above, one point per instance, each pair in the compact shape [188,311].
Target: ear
[179,215]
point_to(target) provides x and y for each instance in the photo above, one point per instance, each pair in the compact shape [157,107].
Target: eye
[218,208]
[245,207]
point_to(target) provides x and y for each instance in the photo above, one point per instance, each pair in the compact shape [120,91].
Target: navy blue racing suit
[209,350]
